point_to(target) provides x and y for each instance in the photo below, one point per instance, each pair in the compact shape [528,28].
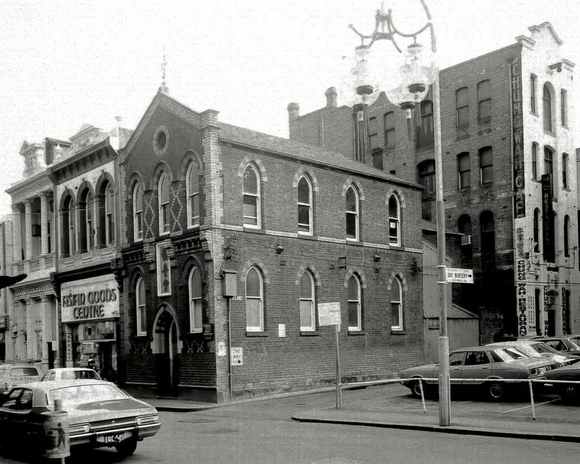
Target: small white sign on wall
[237,356]
[281,330]
[221,349]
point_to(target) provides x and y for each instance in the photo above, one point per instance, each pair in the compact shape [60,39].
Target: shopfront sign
[89,299]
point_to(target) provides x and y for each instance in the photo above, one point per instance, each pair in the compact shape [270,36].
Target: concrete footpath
[392,407]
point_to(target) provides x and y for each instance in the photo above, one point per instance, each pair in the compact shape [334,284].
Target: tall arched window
[137,212]
[67,227]
[394,221]
[192,193]
[565,170]
[195,308]
[306,301]
[109,215]
[352,214]
[251,194]
[354,304]
[397,320]
[534,161]
[163,201]
[254,301]
[140,314]
[105,214]
[304,206]
[85,206]
[537,230]
[487,225]
[567,236]
[547,107]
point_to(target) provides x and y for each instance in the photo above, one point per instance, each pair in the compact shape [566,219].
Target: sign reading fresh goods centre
[89,299]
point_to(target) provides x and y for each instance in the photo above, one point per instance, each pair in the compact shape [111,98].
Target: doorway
[166,351]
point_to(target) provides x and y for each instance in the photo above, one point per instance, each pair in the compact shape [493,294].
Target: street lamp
[416,71]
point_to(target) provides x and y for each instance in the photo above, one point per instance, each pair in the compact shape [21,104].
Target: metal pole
[229,310]
[444,384]
[531,387]
[338,369]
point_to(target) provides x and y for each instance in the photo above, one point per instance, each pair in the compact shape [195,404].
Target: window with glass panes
[304,206]
[547,108]
[85,220]
[426,173]
[484,102]
[463,171]
[109,215]
[394,221]
[354,304]
[462,107]
[254,301]
[396,305]
[567,236]
[352,210]
[533,91]
[389,124]
[534,161]
[141,317]
[564,107]
[192,192]
[536,230]
[486,165]
[565,170]
[195,308]
[306,302]
[137,212]
[163,198]
[251,194]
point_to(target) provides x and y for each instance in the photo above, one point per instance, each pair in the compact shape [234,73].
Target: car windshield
[574,345]
[75,395]
[508,354]
[528,350]
[543,348]
[79,374]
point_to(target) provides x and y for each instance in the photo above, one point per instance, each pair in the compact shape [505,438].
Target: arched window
[547,107]
[567,236]
[254,301]
[67,227]
[304,206]
[163,201]
[195,309]
[487,225]
[140,314]
[352,214]
[137,212]
[537,230]
[565,170]
[464,227]
[109,215]
[534,161]
[394,221]
[306,301]
[85,207]
[251,194]
[192,193]
[397,320]
[105,214]
[354,304]
[484,102]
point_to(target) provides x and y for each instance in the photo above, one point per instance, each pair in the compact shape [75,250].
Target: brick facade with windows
[253,227]
[491,125]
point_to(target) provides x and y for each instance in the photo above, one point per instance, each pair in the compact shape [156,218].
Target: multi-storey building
[234,238]
[509,183]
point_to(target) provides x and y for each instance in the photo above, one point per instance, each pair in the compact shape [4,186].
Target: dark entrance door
[167,353]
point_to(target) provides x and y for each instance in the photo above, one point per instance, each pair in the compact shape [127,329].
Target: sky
[64,63]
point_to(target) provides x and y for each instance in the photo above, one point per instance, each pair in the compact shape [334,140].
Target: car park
[99,414]
[538,349]
[563,344]
[70,373]
[14,374]
[568,391]
[480,367]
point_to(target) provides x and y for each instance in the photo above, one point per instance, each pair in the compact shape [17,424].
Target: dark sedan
[99,414]
[568,391]
[482,367]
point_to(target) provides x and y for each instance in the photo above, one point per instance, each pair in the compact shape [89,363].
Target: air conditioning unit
[466,239]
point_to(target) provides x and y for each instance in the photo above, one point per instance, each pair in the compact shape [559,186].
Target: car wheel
[126,447]
[495,391]
[416,389]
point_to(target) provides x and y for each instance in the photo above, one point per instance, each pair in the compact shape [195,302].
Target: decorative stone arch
[260,266]
[303,172]
[137,272]
[257,164]
[160,168]
[191,262]
[67,192]
[400,197]
[189,157]
[349,182]
[85,184]
[401,277]
[135,178]
[165,308]
[355,271]
[103,179]
[312,270]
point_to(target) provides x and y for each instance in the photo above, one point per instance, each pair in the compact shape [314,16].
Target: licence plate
[113,438]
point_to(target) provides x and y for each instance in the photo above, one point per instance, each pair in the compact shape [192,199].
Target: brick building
[233,238]
[509,183]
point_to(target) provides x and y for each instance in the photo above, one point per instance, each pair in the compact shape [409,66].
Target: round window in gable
[160,140]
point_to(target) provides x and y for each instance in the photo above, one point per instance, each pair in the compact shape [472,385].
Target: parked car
[70,373]
[564,344]
[99,415]
[568,392]
[480,362]
[539,349]
[14,374]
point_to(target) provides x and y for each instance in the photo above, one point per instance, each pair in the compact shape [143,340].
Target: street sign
[237,356]
[458,275]
[329,313]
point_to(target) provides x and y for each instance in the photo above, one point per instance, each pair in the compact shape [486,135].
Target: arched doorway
[165,348]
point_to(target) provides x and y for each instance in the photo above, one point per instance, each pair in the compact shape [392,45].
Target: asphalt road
[262,432]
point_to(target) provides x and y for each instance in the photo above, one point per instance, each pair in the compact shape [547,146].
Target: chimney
[293,111]
[330,97]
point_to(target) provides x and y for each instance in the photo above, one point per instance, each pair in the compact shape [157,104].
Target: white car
[70,373]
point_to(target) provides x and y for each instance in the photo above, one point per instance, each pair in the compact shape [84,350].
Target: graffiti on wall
[518,140]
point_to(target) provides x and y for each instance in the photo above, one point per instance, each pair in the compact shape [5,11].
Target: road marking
[528,406]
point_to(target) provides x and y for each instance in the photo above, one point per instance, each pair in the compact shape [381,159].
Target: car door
[477,366]
[8,422]
[456,364]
